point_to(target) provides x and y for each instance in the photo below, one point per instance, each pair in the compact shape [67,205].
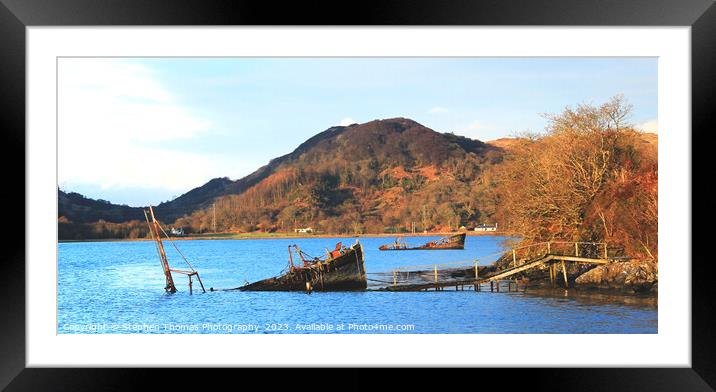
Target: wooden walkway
[551,255]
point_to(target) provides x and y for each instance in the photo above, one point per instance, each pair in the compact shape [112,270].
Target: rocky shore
[641,276]
[628,276]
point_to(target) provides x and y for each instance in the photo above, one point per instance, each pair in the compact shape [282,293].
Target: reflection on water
[597,297]
[117,287]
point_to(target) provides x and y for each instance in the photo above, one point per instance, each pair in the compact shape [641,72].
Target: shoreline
[263,236]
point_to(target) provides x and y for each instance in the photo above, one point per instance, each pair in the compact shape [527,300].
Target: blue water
[118,287]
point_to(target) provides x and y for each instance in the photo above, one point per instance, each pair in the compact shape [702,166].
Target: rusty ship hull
[456,241]
[345,272]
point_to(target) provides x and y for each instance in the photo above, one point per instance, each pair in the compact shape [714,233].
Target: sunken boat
[456,241]
[342,269]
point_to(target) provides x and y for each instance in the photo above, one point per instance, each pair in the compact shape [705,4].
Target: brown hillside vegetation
[507,143]
[374,177]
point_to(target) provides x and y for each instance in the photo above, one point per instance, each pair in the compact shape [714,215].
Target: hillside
[203,196]
[77,208]
[363,177]
[384,175]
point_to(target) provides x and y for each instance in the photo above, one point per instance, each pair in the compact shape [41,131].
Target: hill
[384,175]
[77,208]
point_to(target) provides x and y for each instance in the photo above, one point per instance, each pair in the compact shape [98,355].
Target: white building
[484,227]
[303,230]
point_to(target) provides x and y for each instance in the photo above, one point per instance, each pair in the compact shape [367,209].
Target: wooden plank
[200,283]
[523,267]
[580,259]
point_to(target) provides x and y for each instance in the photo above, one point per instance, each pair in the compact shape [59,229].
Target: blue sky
[141,131]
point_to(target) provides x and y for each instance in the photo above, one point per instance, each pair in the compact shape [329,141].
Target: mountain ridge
[77,208]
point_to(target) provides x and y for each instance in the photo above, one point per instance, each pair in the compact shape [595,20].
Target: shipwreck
[342,269]
[156,231]
[456,241]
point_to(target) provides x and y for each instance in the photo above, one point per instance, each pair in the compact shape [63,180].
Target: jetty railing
[477,270]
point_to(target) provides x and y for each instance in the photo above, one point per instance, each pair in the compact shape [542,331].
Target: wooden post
[606,256]
[477,277]
[492,285]
[564,272]
[200,282]
[497,286]
[514,258]
[576,249]
[395,280]
[549,248]
[435,268]
[190,290]
[162,255]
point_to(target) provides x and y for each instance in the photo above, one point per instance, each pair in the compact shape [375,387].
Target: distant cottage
[177,231]
[303,230]
[484,227]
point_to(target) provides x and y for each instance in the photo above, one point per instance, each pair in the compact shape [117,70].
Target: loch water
[118,287]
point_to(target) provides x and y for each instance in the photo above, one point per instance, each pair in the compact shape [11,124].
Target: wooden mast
[154,229]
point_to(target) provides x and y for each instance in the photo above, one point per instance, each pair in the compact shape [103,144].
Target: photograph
[357,195]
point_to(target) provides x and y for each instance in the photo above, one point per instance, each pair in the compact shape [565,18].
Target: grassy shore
[263,235]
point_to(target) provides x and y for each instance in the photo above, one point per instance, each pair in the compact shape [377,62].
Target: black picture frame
[16,15]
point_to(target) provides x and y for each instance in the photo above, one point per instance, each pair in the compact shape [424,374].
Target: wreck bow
[342,269]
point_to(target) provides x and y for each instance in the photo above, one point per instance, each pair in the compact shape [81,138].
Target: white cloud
[437,110]
[113,117]
[347,121]
[648,126]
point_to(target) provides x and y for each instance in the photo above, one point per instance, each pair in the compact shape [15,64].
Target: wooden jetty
[553,256]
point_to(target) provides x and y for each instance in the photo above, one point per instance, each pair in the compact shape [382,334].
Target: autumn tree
[587,178]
